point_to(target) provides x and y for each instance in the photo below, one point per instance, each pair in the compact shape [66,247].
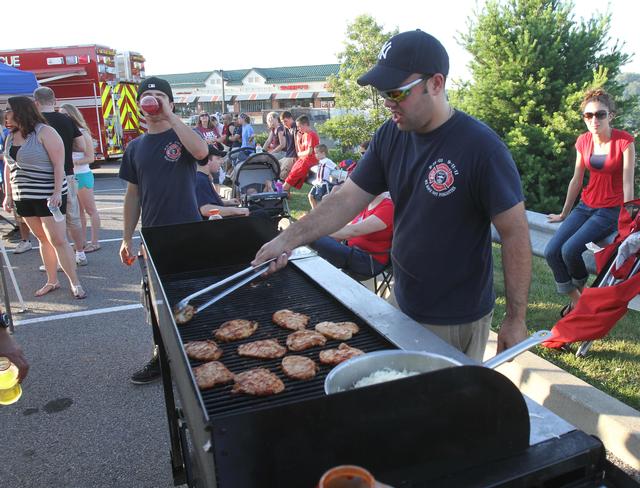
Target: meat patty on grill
[304,339]
[265,349]
[258,382]
[184,314]
[352,326]
[290,320]
[299,367]
[336,356]
[206,350]
[234,330]
[211,374]
[341,331]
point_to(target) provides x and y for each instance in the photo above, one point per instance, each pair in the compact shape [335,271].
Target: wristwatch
[4,321]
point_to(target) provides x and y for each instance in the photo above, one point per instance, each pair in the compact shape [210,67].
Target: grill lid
[417,428]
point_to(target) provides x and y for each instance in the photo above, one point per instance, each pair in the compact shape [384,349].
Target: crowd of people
[46,171]
[423,196]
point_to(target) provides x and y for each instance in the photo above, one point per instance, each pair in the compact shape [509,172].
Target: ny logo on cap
[151,85]
[384,50]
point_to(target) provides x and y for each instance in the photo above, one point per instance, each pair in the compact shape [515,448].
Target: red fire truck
[101,82]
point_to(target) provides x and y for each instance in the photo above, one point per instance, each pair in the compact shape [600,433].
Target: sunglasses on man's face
[600,115]
[399,94]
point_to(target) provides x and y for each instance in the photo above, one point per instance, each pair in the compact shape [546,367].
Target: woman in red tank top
[609,155]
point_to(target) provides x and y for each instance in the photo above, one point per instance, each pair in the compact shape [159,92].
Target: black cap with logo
[404,54]
[155,83]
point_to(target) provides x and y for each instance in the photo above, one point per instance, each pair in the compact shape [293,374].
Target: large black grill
[463,426]
[257,301]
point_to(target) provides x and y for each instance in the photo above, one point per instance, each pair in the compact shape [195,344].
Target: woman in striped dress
[34,179]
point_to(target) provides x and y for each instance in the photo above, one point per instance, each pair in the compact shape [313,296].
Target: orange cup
[347,477]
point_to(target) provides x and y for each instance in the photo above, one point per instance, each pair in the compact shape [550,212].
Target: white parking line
[115,239]
[109,189]
[84,313]
[110,208]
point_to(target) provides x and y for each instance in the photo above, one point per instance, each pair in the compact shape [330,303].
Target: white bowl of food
[381,366]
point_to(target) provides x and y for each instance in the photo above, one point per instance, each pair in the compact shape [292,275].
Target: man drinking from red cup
[160,170]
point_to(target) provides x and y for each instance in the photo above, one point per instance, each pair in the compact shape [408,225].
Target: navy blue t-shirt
[165,173]
[446,186]
[205,192]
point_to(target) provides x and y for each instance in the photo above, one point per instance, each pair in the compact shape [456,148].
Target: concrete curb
[586,407]
[107,169]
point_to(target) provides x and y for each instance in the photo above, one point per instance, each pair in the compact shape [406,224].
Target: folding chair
[382,281]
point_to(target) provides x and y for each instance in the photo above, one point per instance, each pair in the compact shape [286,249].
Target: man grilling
[450,177]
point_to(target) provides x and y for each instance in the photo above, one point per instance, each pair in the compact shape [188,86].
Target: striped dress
[32,175]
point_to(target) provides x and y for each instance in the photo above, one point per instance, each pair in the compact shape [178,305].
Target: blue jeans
[564,251]
[345,257]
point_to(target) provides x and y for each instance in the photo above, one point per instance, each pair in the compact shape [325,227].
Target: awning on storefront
[192,98]
[253,96]
[325,94]
[208,98]
[180,99]
[293,95]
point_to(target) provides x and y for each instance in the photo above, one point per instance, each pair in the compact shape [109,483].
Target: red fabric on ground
[596,313]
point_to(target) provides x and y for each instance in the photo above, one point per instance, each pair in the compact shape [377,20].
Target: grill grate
[289,288]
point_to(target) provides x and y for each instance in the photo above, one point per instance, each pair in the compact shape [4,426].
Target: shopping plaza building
[255,91]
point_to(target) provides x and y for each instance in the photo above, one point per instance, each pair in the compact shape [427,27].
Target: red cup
[150,105]
[347,477]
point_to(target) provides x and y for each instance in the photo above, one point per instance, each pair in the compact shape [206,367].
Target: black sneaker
[12,235]
[148,374]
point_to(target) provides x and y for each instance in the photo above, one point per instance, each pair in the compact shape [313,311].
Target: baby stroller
[253,183]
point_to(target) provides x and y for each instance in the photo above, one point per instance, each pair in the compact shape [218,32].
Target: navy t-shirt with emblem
[165,173]
[205,193]
[446,186]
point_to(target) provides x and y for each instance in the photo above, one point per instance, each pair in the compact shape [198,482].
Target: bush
[336,155]
[350,130]
[261,138]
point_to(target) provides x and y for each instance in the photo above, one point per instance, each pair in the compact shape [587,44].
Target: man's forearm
[131,215]
[516,262]
[333,214]
[190,138]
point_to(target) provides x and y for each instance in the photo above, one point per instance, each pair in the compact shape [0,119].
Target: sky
[200,35]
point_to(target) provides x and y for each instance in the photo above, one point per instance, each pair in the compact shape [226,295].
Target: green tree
[363,41]
[631,116]
[531,62]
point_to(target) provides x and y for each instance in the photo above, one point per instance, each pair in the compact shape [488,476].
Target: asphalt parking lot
[80,422]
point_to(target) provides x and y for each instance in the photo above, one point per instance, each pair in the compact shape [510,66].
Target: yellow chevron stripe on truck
[127,106]
[107,100]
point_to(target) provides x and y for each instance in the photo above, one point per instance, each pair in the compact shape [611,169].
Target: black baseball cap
[213,151]
[155,83]
[404,54]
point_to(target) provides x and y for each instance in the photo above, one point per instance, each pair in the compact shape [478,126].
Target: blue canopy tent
[16,82]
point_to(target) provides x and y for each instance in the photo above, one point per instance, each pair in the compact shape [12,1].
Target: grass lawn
[613,364]
[298,201]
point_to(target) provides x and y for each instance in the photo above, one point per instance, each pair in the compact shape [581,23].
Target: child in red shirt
[306,141]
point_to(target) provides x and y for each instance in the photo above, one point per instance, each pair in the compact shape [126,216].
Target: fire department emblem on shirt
[172,152]
[441,176]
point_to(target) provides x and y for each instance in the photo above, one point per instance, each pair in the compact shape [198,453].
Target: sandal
[91,247]
[78,292]
[566,309]
[47,288]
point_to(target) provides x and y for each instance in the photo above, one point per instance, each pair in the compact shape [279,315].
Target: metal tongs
[183,312]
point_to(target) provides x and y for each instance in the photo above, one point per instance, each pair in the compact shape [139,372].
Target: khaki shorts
[285,167]
[73,207]
[470,338]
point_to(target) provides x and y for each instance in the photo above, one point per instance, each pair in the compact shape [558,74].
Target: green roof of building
[285,74]
[187,78]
